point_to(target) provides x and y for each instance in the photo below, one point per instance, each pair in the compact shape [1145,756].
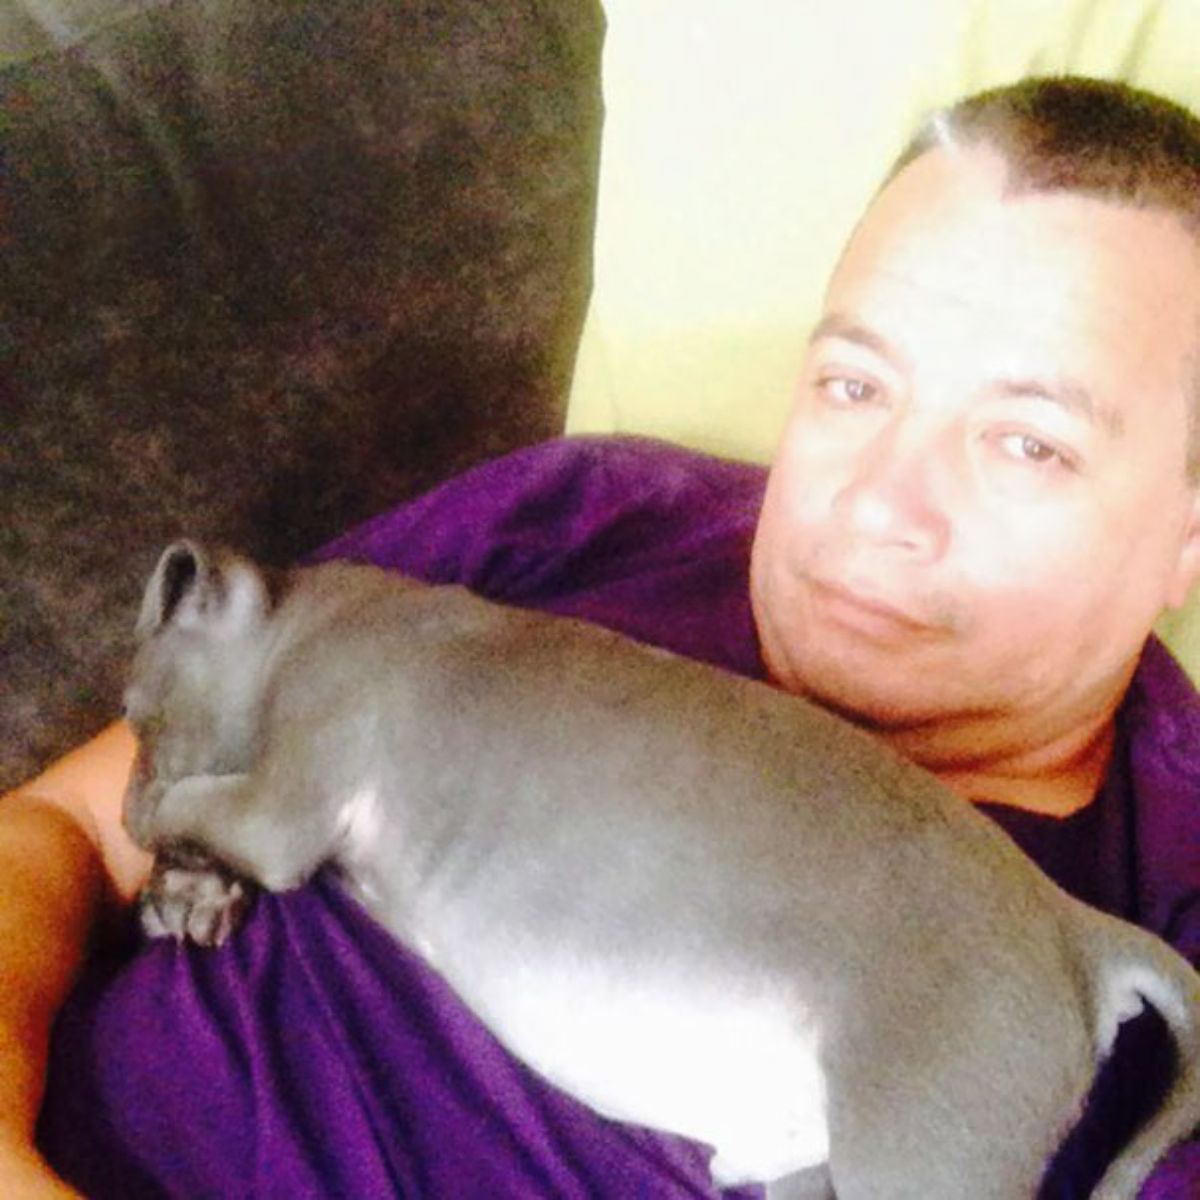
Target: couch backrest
[268,266]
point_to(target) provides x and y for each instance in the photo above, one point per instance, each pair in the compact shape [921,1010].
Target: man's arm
[64,860]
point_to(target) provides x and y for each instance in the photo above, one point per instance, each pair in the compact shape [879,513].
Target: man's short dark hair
[1096,137]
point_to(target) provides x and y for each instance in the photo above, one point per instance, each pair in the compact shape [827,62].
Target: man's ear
[1187,569]
[193,589]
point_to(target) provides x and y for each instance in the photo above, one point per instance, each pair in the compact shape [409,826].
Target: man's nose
[896,495]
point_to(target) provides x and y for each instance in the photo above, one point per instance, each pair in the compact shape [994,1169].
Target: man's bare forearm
[50,896]
[64,860]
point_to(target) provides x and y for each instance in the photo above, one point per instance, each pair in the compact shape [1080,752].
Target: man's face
[980,503]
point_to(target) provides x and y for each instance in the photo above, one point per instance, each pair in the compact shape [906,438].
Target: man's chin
[880,714]
[887,705]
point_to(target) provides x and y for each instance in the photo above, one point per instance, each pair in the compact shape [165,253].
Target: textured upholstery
[268,266]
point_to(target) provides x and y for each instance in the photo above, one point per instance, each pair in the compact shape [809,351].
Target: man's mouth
[864,613]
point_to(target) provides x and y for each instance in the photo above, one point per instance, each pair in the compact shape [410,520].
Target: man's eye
[847,390]
[1026,448]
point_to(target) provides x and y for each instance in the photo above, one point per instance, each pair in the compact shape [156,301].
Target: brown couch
[268,266]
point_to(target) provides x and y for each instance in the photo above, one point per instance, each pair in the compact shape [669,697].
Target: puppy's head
[195,685]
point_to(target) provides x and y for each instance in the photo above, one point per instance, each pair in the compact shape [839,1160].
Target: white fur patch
[360,826]
[1125,996]
[738,1072]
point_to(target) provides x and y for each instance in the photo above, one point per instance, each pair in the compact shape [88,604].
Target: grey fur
[589,838]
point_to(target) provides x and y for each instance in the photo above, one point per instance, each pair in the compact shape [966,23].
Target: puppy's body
[691,900]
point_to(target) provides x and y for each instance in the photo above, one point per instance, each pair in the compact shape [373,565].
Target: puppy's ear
[191,589]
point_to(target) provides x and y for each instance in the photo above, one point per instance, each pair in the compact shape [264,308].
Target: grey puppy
[690,900]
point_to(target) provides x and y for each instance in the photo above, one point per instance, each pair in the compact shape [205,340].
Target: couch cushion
[269,266]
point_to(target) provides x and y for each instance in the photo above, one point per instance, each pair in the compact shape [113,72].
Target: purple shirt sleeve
[313,1056]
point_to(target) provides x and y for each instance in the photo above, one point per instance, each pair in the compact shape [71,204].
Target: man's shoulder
[1161,713]
[515,525]
[1160,728]
[557,515]
[611,476]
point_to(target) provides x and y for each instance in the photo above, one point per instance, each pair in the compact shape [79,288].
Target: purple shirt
[313,1056]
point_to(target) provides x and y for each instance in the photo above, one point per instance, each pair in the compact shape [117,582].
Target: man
[985,495]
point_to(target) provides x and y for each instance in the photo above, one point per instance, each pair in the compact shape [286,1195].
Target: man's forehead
[982,249]
[955,209]
[1039,284]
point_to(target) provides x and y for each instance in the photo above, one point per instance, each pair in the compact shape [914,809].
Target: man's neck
[1054,776]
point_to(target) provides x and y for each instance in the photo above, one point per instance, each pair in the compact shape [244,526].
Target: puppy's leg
[276,839]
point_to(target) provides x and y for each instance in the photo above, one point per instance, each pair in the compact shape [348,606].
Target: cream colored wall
[742,139]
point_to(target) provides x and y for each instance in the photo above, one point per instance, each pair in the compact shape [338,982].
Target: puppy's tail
[1128,967]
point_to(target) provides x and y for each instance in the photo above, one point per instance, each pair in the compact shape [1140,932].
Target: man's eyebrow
[1068,394]
[847,329]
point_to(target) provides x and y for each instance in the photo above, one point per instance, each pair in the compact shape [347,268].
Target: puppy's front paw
[190,896]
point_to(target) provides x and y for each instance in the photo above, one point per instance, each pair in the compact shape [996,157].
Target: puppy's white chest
[685,1055]
[637,1034]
